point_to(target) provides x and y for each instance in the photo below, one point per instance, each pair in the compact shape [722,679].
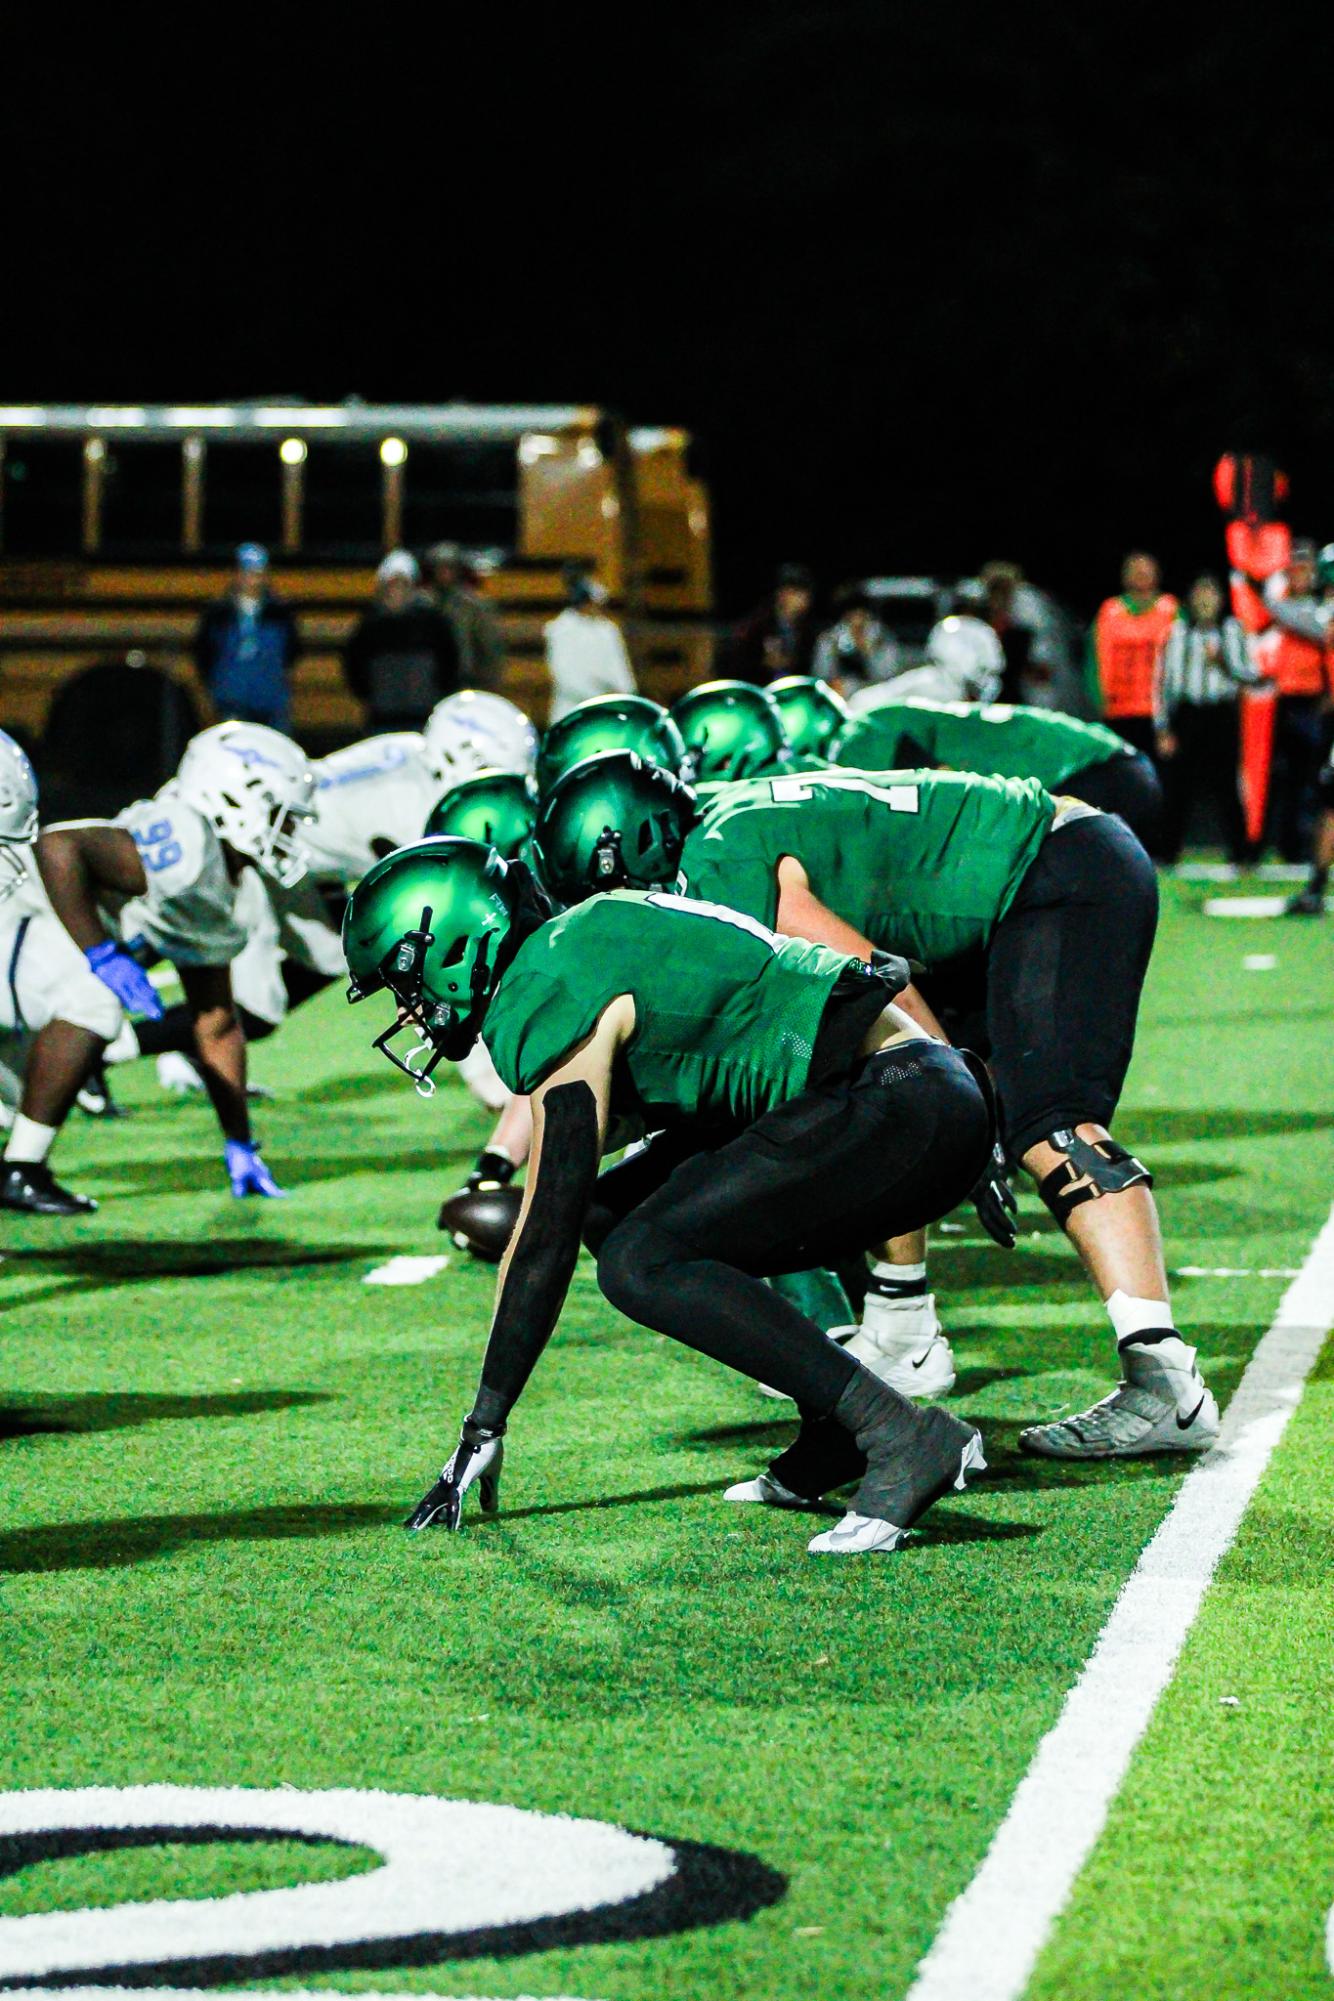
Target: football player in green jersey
[497,807]
[731,729]
[813,714]
[1059,902]
[797,1114]
[1080,760]
[609,722]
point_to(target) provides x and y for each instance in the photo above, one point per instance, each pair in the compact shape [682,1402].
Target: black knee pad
[1094,1168]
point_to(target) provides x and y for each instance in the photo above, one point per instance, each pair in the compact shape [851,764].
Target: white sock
[29,1141]
[1131,1317]
[907,1274]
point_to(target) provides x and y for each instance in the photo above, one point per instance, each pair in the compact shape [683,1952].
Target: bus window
[242,494]
[141,499]
[344,509]
[43,495]
[461,493]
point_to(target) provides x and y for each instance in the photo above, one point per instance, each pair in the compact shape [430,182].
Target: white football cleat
[1158,1408]
[769,1492]
[902,1344]
[855,1535]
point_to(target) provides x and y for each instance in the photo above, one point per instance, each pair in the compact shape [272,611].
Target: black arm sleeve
[545,1252]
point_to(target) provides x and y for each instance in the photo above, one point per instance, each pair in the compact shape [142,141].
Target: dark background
[931,284]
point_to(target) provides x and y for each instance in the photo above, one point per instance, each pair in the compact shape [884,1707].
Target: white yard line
[994,1931]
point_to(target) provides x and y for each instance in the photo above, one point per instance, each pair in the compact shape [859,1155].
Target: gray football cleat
[1158,1408]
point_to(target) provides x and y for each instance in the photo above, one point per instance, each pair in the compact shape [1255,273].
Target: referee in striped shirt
[1206,661]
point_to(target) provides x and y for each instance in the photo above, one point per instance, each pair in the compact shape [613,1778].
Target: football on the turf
[481,1220]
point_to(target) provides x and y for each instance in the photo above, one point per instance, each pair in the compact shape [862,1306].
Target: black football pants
[686,1231]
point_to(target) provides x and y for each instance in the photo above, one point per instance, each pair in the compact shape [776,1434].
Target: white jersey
[371,797]
[188,912]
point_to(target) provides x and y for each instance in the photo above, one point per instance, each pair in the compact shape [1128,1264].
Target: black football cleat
[1307,902]
[30,1185]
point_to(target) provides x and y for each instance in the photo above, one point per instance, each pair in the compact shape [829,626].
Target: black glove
[478,1457]
[994,1200]
[896,973]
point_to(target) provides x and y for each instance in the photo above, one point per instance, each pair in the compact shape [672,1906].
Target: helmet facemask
[13,865]
[443,1029]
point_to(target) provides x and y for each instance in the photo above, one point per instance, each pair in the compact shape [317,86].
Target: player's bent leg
[841,1165]
[1066,970]
[75,1016]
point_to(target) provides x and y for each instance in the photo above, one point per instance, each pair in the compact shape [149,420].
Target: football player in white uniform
[370,798]
[161,881]
[46,977]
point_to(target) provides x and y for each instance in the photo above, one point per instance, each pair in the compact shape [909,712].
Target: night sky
[931,285]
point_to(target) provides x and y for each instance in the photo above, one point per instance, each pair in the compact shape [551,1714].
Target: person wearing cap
[779,636]
[403,657]
[586,653]
[246,644]
[476,627]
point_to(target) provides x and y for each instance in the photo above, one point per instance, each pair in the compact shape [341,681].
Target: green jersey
[990,737]
[925,863]
[726,1014]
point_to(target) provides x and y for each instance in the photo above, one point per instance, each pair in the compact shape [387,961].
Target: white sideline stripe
[993,1932]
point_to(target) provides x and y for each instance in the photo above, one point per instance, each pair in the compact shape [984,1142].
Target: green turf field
[211,1426]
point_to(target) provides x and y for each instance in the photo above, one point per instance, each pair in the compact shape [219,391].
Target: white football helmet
[476,731]
[255,787]
[18,814]
[969,653]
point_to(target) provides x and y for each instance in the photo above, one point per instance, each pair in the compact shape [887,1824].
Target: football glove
[247,1172]
[994,1200]
[126,978]
[477,1458]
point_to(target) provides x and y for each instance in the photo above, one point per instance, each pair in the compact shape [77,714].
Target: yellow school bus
[118,524]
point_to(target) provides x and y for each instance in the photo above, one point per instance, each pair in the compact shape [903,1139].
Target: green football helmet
[1324,566]
[613,822]
[497,808]
[813,713]
[731,729]
[609,722]
[428,923]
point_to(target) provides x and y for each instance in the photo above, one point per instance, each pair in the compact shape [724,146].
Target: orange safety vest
[1295,665]
[1128,645]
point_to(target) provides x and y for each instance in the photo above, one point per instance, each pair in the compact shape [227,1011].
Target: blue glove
[127,981]
[247,1172]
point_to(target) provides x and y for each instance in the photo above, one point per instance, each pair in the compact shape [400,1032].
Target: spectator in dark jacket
[403,657]
[476,628]
[246,644]
[779,636]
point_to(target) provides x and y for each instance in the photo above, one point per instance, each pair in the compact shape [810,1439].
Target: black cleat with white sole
[30,1185]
